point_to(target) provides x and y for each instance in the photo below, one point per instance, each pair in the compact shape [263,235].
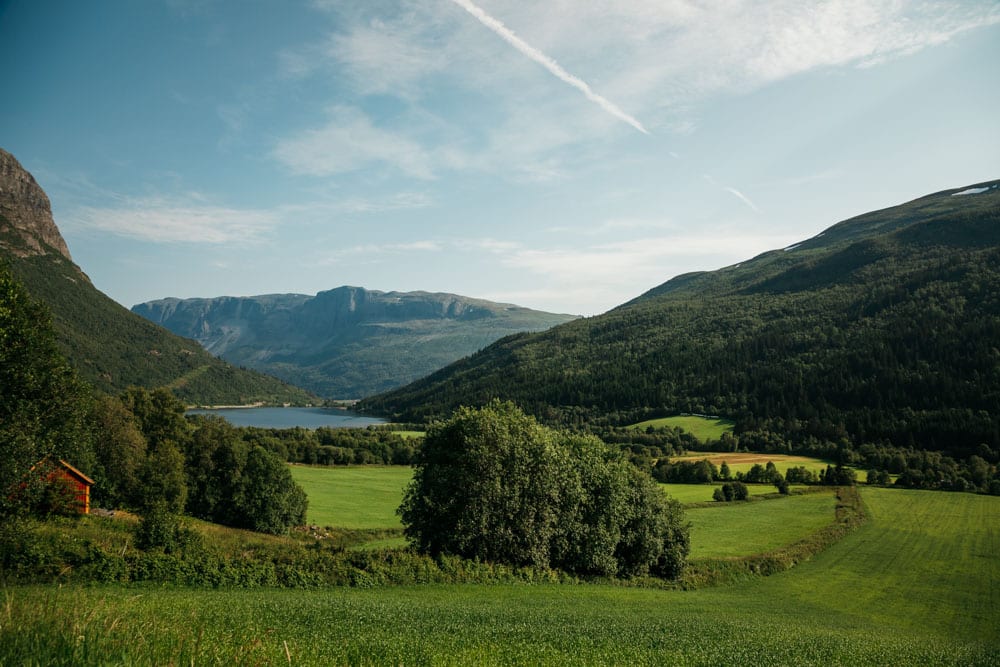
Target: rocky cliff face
[26,213]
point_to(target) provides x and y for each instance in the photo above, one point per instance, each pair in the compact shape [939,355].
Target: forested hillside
[883,329]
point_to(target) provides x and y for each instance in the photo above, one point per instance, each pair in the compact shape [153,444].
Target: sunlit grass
[703,428]
[746,528]
[363,497]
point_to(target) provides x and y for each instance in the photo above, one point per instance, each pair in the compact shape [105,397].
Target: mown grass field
[703,428]
[354,496]
[917,584]
[702,493]
[723,530]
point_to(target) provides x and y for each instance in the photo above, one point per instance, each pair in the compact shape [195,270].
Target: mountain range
[885,328]
[347,342]
[110,347]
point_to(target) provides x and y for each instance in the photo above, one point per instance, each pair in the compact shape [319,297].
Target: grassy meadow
[364,497]
[743,461]
[703,428]
[687,494]
[725,530]
[914,585]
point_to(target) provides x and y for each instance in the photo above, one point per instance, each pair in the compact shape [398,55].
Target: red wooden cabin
[76,482]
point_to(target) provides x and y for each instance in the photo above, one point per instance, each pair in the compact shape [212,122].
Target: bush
[731,491]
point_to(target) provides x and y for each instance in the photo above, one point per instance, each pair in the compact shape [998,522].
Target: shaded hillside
[110,347]
[885,327]
[347,342]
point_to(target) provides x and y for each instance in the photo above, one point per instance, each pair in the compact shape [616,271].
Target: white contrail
[548,63]
[742,197]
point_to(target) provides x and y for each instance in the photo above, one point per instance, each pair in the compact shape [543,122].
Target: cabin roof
[76,473]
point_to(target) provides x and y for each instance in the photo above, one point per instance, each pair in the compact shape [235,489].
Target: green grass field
[702,493]
[353,497]
[703,428]
[743,461]
[917,584]
[742,529]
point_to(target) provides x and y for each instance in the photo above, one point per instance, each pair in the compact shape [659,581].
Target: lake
[291,417]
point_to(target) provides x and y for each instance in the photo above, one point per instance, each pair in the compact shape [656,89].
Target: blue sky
[564,155]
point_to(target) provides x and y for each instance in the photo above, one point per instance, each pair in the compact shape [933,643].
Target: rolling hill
[347,342]
[883,328]
[110,347]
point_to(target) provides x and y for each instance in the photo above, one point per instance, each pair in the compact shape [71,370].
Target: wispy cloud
[193,218]
[376,250]
[574,279]
[162,220]
[350,141]
[662,57]
[548,63]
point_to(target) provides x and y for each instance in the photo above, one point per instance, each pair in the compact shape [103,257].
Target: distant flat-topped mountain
[347,342]
[883,328]
[110,347]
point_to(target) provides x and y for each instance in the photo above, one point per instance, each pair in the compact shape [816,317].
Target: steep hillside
[885,327]
[347,342]
[110,347]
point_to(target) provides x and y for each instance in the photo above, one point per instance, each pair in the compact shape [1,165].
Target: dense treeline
[882,330]
[336,446]
[138,447]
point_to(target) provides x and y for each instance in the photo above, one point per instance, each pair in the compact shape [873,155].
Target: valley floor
[918,584]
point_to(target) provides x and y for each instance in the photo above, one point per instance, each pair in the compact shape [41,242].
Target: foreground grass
[703,428]
[364,497]
[915,585]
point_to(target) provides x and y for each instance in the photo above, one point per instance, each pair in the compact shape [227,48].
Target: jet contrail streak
[548,63]
[742,197]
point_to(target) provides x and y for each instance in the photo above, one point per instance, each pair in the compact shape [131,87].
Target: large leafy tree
[43,407]
[493,484]
[487,486]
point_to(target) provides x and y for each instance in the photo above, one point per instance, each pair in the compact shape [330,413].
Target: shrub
[731,491]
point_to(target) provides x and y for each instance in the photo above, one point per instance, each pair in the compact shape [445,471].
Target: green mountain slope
[884,328]
[347,342]
[110,347]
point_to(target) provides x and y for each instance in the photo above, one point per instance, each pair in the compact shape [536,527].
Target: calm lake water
[291,417]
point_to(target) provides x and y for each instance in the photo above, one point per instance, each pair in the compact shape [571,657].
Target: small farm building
[78,483]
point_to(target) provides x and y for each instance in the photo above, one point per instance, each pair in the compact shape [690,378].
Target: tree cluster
[138,447]
[493,484]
